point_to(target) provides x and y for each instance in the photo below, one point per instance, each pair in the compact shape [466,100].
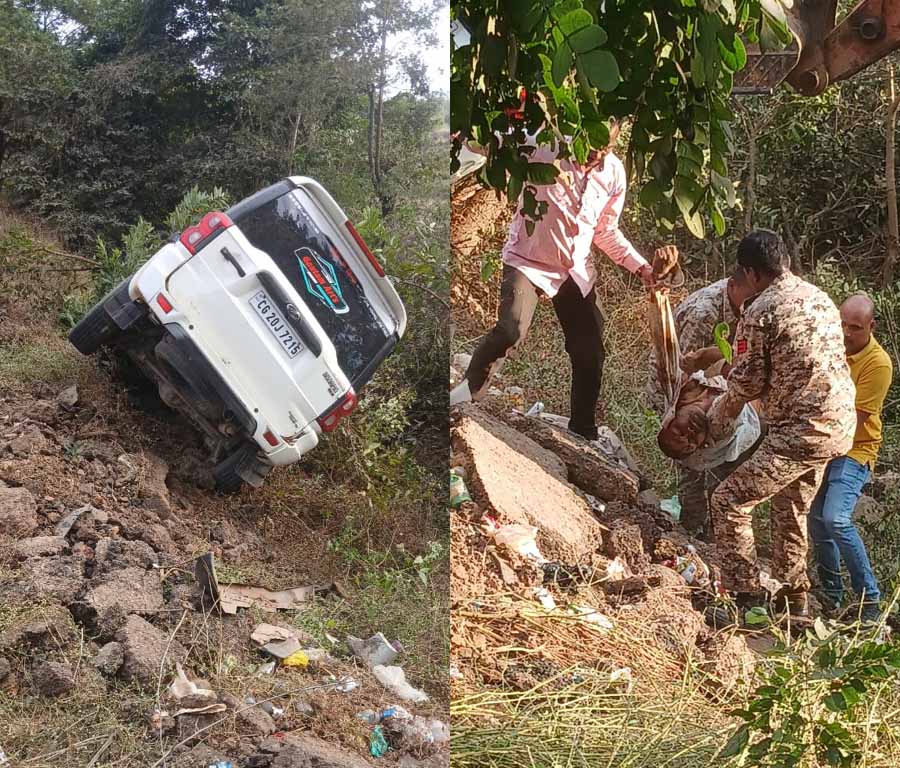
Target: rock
[669,580]
[154,491]
[524,483]
[66,523]
[110,658]
[155,535]
[5,668]
[588,468]
[68,398]
[60,578]
[624,540]
[257,720]
[144,649]
[675,624]
[18,512]
[107,622]
[29,442]
[729,662]
[116,554]
[200,756]
[134,589]
[301,751]
[82,550]
[53,679]
[49,626]
[103,451]
[40,546]
[195,728]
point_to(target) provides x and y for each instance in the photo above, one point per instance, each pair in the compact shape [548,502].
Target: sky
[437,59]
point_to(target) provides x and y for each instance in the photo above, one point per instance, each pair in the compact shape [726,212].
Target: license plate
[272,318]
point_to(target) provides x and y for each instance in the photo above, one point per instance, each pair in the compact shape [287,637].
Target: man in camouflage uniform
[695,320]
[789,353]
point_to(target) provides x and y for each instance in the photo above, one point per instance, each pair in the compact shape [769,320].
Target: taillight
[362,244]
[270,437]
[329,420]
[209,224]
[164,303]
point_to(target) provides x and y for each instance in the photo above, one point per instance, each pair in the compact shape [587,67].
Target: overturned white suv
[260,324]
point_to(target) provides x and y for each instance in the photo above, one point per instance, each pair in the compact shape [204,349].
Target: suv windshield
[310,260]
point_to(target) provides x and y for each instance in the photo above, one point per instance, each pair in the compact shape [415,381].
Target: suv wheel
[97,328]
[241,466]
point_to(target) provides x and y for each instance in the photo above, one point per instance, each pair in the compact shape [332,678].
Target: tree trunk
[750,192]
[893,237]
[376,118]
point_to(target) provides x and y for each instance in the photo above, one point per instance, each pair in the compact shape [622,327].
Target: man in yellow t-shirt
[831,526]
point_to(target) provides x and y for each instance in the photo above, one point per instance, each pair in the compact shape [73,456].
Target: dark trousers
[582,325]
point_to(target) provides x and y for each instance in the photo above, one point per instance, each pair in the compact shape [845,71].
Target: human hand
[700,359]
[646,275]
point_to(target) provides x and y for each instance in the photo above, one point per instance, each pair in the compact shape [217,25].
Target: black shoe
[831,608]
[588,433]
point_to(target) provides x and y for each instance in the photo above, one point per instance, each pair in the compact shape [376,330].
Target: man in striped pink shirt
[583,207]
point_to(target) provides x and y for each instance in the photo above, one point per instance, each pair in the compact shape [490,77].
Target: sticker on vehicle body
[321,281]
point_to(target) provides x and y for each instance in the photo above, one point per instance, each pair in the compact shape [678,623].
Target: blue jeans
[834,535]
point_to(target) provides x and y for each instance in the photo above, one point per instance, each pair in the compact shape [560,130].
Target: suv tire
[97,328]
[241,466]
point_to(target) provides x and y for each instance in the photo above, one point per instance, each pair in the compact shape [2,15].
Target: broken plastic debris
[3,758]
[209,709]
[455,674]
[378,745]
[298,659]
[266,669]
[672,506]
[536,410]
[618,569]
[343,684]
[375,650]
[520,538]
[622,676]
[461,361]
[394,679]
[182,687]
[222,764]
[593,617]
[596,505]
[230,597]
[459,494]
[544,598]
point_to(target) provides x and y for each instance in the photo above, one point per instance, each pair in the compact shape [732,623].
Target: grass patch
[31,362]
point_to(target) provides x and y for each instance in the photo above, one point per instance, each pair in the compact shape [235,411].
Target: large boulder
[524,483]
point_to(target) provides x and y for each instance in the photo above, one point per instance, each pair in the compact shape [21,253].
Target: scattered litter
[222,764]
[756,616]
[596,505]
[270,709]
[461,361]
[455,674]
[3,758]
[769,583]
[230,597]
[622,676]
[460,471]
[266,669]
[317,655]
[506,571]
[343,684]
[298,659]
[209,709]
[375,650]
[593,617]
[182,687]
[283,649]
[691,567]
[331,639]
[618,569]
[417,734]
[519,538]
[68,522]
[671,506]
[544,598]
[536,410]
[459,494]
[394,679]
[378,745]
[266,633]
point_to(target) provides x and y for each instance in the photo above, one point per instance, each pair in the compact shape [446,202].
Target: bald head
[858,322]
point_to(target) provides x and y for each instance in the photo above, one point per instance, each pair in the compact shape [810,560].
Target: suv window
[310,260]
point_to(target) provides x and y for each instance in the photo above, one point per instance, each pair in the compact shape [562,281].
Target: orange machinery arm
[829,53]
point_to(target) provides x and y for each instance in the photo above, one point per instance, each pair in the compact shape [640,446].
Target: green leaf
[587,39]
[493,54]
[724,187]
[601,69]
[651,193]
[514,187]
[820,629]
[541,173]
[698,70]
[562,64]
[851,695]
[688,194]
[737,743]
[836,702]
[720,335]
[740,52]
[575,20]
[718,222]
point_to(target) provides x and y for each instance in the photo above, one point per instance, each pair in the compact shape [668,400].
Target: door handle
[229,257]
